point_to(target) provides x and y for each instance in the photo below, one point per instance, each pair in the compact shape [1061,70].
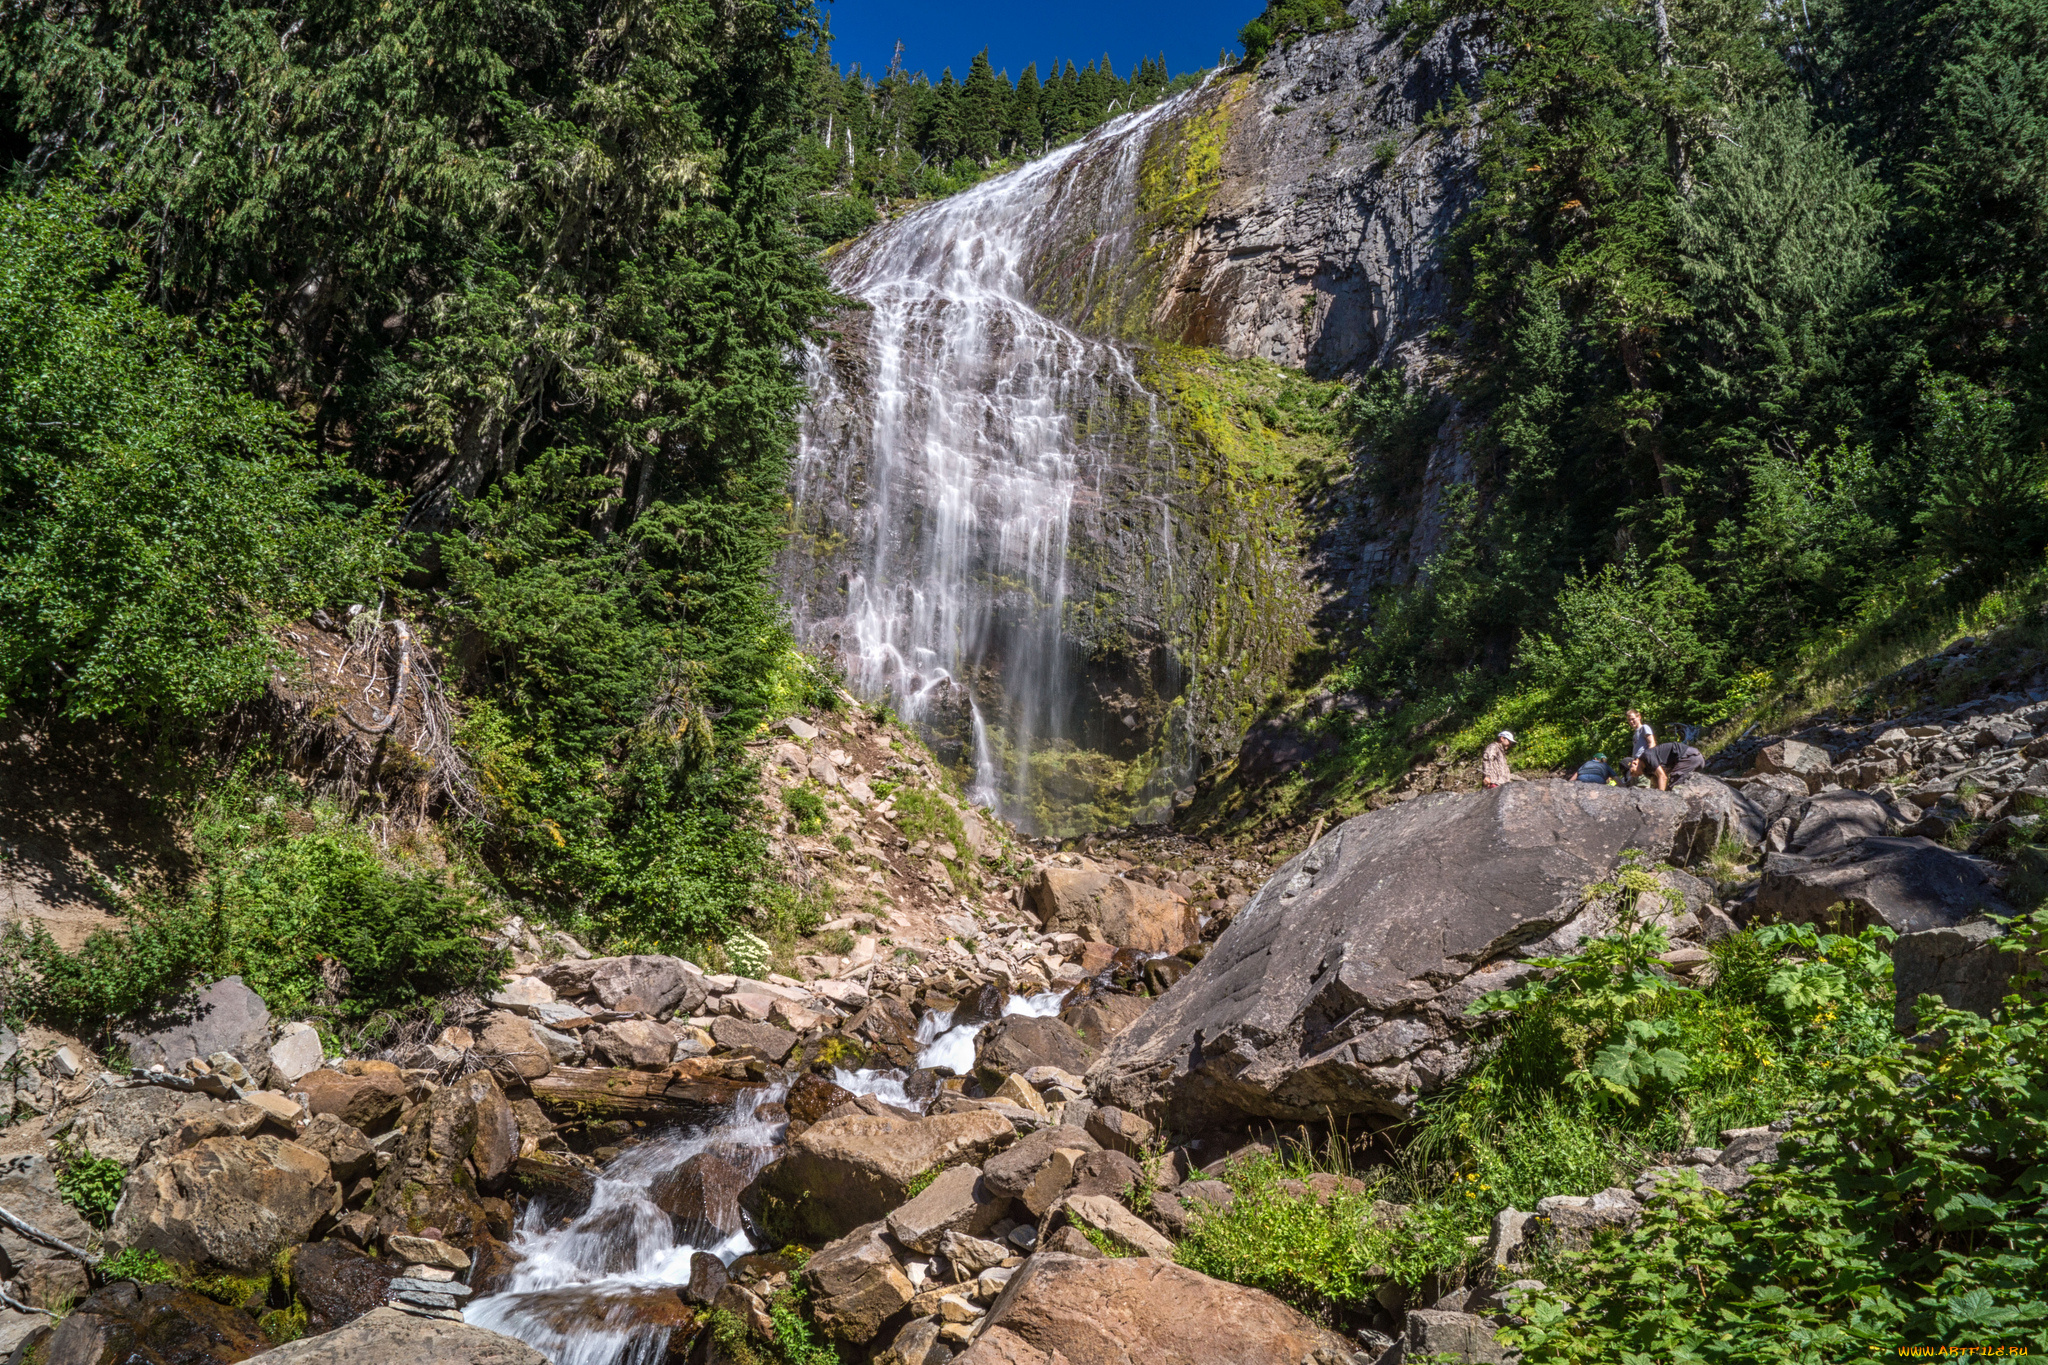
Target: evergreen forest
[1752,299]
[875,142]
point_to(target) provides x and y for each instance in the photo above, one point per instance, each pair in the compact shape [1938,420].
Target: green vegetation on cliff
[1754,349]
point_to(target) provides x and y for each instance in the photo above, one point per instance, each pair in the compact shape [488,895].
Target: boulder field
[1064,1081]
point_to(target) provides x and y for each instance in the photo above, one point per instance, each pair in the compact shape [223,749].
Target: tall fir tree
[1025,128]
[984,105]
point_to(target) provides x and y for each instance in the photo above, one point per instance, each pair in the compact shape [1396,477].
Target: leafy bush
[115,974]
[321,924]
[134,1263]
[809,809]
[835,217]
[1610,1060]
[1906,1212]
[90,1184]
[155,518]
[1323,1257]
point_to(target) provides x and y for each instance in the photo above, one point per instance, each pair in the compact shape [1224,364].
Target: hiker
[1671,762]
[1493,760]
[1640,737]
[1596,771]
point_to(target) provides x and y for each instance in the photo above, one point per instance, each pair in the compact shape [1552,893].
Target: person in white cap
[1493,760]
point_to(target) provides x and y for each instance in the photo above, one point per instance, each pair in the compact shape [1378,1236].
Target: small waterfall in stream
[939,488]
[599,1288]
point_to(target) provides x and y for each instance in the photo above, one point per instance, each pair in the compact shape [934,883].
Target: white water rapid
[937,491]
[599,1288]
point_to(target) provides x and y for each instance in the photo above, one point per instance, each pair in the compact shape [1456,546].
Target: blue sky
[938,35]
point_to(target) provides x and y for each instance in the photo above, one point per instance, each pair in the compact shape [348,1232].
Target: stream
[598,1289]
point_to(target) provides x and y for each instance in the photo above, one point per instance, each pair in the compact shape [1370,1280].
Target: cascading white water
[953,475]
[940,1044]
[581,1291]
[593,1290]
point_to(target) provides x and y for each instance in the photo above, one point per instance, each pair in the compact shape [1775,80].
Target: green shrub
[836,217]
[1285,20]
[1906,1213]
[1325,1258]
[134,1263]
[1609,1061]
[328,900]
[91,1184]
[115,974]
[320,923]
[809,809]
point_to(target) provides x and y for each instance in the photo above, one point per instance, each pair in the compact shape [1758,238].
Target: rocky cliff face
[1296,214]
[1076,487]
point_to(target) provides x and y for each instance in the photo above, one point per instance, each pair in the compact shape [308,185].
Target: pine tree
[1062,118]
[939,130]
[983,105]
[1025,129]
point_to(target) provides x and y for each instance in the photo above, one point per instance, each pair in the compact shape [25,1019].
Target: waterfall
[938,488]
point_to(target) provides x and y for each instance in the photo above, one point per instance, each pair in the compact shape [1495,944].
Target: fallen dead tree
[365,716]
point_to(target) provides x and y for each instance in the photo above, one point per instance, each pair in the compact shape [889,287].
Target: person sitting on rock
[1670,763]
[1493,760]
[1596,771]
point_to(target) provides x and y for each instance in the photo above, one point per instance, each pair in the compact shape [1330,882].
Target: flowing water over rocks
[600,1288]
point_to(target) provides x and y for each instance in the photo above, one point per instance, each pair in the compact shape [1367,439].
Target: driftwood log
[687,1091]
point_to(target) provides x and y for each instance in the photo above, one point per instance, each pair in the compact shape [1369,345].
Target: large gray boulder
[224,1017]
[28,1190]
[847,1172]
[1906,884]
[386,1335]
[1716,811]
[1966,965]
[1830,822]
[856,1284]
[1142,1308]
[1342,988]
[659,983]
[227,1201]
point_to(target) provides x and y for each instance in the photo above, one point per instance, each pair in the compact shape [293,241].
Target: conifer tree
[939,120]
[1025,130]
[983,105]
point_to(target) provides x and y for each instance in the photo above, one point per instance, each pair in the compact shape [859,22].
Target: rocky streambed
[984,1149]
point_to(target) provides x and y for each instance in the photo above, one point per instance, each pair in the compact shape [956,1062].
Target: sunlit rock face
[1008,520]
